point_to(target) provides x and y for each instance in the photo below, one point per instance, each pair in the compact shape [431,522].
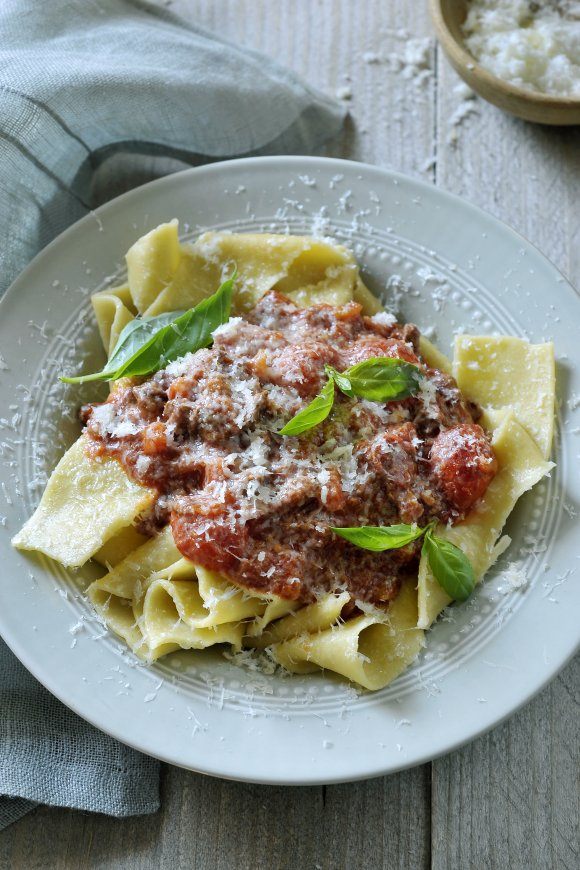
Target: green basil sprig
[380,538]
[148,344]
[131,340]
[313,414]
[450,566]
[380,379]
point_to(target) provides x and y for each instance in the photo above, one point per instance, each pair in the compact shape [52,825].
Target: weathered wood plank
[510,799]
[337,46]
[209,824]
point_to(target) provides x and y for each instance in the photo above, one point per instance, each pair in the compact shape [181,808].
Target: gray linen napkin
[80,81]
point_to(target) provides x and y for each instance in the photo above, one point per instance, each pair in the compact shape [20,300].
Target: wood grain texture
[210,823]
[509,799]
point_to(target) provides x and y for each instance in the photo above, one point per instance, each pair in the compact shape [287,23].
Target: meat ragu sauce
[256,506]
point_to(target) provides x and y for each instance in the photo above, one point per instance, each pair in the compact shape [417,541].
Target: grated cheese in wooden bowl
[533,45]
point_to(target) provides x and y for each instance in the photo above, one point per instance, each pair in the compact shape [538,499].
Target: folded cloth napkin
[80,81]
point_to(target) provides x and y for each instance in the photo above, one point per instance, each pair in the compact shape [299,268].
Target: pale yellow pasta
[183,569]
[164,634]
[337,290]
[173,614]
[362,295]
[194,279]
[84,504]
[315,270]
[309,619]
[165,275]
[275,609]
[127,578]
[181,636]
[212,600]
[507,372]
[154,573]
[117,614]
[521,465]
[365,650]
[118,547]
[223,602]
[151,263]
[114,310]
[285,263]
[433,356]
[190,605]
[153,583]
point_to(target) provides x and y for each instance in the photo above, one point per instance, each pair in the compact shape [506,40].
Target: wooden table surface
[510,799]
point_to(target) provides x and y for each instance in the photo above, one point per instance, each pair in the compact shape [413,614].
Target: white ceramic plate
[439,262]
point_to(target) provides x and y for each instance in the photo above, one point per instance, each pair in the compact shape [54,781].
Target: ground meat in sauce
[257,506]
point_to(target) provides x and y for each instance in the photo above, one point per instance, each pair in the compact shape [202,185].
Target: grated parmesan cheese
[428,395]
[142,464]
[384,318]
[512,579]
[228,328]
[533,45]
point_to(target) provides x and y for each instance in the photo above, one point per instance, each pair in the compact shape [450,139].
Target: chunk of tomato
[463,464]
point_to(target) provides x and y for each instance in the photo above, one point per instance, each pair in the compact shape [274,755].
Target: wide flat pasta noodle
[433,356]
[84,504]
[173,613]
[508,372]
[119,547]
[336,290]
[152,262]
[165,634]
[132,572]
[210,601]
[291,264]
[369,302]
[183,637]
[166,275]
[194,279]
[308,619]
[117,614]
[276,608]
[366,650]
[158,601]
[174,601]
[521,465]
[114,310]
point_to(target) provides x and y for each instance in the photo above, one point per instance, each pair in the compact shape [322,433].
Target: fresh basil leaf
[451,567]
[147,345]
[380,379]
[131,339]
[379,538]
[185,334]
[341,381]
[313,414]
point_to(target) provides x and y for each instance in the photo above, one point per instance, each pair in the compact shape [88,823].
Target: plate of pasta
[288,470]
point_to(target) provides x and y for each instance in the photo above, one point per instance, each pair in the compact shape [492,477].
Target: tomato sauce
[256,506]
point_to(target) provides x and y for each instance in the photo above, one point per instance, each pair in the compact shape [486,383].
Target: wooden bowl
[448,16]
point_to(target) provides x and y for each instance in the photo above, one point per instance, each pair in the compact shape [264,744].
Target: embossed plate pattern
[434,260]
